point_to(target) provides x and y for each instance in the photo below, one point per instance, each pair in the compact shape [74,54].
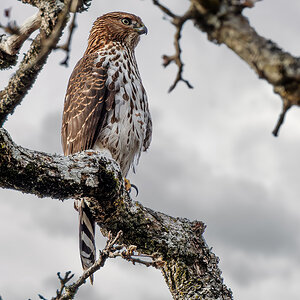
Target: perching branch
[178,243]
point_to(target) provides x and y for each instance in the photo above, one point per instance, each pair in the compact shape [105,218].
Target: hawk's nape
[106,107]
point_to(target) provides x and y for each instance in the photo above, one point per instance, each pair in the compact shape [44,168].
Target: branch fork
[178,22]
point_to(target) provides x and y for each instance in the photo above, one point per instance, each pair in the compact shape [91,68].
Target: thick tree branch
[224,23]
[44,175]
[190,268]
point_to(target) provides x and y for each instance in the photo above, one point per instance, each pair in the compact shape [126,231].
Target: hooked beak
[141,30]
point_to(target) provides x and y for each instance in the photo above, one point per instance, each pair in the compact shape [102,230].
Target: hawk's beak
[141,30]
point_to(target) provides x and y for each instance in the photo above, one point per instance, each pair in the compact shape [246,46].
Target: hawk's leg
[129,185]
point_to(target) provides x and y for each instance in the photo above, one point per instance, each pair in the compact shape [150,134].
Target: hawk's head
[120,27]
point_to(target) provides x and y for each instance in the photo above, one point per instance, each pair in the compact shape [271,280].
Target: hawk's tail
[86,237]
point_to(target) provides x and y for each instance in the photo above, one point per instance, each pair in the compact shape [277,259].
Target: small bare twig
[164,9]
[111,250]
[11,28]
[63,282]
[66,46]
[107,252]
[178,22]
[128,254]
[249,3]
[285,107]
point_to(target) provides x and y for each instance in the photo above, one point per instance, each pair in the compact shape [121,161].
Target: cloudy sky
[213,158]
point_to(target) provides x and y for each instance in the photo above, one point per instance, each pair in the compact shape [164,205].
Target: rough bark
[228,26]
[190,268]
[224,23]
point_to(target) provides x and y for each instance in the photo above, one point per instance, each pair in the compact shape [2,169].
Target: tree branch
[224,23]
[44,175]
[53,20]
[111,250]
[178,242]
[12,44]
[178,22]
[67,45]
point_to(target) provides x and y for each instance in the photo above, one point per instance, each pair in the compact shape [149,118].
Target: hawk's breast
[124,132]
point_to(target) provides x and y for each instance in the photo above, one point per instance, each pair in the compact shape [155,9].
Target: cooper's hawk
[106,106]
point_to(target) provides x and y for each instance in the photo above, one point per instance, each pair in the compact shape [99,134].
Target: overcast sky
[212,158]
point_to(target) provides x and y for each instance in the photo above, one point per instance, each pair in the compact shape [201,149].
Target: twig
[34,59]
[178,22]
[285,107]
[66,46]
[129,255]
[111,250]
[63,282]
[11,28]
[249,3]
[107,252]
[51,42]
[12,44]
[164,9]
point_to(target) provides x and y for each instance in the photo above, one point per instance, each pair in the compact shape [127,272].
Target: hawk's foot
[129,186]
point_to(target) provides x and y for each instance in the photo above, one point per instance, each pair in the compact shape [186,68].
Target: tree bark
[228,26]
[190,269]
[53,21]
[224,23]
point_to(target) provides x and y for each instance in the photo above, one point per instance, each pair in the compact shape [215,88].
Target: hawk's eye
[126,21]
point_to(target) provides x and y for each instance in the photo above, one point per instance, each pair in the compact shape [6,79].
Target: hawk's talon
[76,205]
[129,185]
[136,189]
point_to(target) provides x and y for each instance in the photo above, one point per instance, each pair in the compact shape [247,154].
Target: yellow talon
[128,186]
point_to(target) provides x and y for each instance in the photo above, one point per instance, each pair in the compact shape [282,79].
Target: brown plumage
[106,106]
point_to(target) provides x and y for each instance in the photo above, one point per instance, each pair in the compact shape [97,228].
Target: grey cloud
[238,212]
[49,136]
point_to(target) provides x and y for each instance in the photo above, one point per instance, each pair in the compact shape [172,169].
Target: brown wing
[86,104]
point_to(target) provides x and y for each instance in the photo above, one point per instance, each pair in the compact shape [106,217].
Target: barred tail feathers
[87,246]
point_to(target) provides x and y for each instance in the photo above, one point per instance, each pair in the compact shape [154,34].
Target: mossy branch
[179,242]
